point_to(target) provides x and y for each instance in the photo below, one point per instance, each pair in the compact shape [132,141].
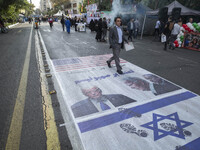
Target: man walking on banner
[116,39]
[97,102]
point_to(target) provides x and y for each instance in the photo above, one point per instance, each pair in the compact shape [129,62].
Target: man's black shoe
[119,71]
[108,64]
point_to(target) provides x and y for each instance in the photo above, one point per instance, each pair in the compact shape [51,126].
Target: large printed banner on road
[136,110]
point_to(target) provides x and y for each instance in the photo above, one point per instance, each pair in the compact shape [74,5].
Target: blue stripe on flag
[194,145]
[131,112]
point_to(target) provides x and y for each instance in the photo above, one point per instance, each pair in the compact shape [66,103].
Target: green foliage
[10,9]
[85,3]
[154,4]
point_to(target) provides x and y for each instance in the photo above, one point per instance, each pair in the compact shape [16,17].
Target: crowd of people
[133,27]
[100,27]
[170,29]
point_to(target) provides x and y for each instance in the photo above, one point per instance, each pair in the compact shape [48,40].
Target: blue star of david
[159,133]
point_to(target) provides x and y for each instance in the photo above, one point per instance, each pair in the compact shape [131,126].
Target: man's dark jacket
[86,107]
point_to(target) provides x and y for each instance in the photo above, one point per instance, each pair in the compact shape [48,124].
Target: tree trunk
[156,4]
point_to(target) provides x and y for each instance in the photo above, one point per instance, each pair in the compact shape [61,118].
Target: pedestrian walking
[50,22]
[29,19]
[167,31]
[68,25]
[116,40]
[176,30]
[62,21]
[130,28]
[157,29]
[92,25]
[96,25]
[99,30]
[36,23]
[137,27]
[39,19]
[75,23]
[104,29]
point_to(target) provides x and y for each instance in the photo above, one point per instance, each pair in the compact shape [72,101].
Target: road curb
[10,26]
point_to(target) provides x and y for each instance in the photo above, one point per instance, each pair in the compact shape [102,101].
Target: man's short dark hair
[117,18]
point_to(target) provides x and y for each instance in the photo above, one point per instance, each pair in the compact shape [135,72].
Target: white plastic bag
[129,46]
[163,38]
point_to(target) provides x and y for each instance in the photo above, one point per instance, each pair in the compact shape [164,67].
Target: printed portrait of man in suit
[97,102]
[156,84]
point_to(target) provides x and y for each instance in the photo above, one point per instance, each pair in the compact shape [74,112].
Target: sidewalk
[10,26]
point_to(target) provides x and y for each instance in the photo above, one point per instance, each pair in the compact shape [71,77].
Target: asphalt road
[181,66]
[13,51]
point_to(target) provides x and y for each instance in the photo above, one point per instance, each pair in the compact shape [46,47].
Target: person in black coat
[92,25]
[99,30]
[62,21]
[167,31]
[75,23]
[104,29]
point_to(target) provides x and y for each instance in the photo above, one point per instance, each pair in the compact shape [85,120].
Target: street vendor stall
[189,36]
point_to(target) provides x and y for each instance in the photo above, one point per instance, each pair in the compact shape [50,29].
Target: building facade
[72,7]
[45,5]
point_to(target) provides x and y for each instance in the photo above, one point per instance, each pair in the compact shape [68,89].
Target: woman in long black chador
[99,30]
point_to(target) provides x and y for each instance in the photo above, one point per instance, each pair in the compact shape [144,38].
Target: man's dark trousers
[63,26]
[130,34]
[116,51]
